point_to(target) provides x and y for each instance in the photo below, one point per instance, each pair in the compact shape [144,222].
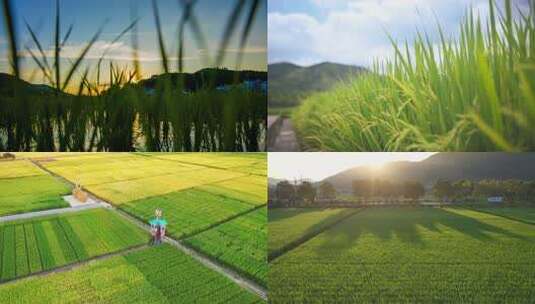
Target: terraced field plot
[34,245]
[130,190]
[188,211]
[217,160]
[28,189]
[251,189]
[96,170]
[521,213]
[411,255]
[18,168]
[289,226]
[156,275]
[240,243]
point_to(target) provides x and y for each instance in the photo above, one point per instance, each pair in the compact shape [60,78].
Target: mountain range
[289,83]
[193,81]
[442,166]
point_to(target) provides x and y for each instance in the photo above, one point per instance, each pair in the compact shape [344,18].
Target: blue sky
[88,16]
[355,31]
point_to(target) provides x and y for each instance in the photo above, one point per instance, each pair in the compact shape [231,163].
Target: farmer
[157,226]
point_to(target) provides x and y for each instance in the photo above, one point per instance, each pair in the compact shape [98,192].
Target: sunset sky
[115,15]
[319,165]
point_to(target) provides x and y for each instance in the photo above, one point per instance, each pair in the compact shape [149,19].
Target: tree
[463,188]
[285,191]
[306,192]
[413,190]
[362,188]
[443,189]
[327,191]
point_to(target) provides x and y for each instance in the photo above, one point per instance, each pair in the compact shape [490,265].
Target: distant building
[495,199]
[250,85]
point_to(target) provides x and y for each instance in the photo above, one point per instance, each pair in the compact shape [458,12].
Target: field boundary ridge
[305,238]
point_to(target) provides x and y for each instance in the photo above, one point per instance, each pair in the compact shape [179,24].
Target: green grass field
[31,193]
[288,225]
[411,255]
[525,214]
[34,245]
[155,275]
[240,243]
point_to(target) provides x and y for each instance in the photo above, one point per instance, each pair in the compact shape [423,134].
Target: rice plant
[120,115]
[471,93]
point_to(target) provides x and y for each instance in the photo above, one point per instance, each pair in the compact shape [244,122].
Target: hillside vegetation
[289,83]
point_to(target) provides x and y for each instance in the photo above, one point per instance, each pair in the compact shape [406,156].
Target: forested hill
[289,82]
[9,82]
[444,166]
[207,77]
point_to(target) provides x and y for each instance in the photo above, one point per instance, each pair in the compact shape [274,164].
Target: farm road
[205,260]
[286,139]
[14,217]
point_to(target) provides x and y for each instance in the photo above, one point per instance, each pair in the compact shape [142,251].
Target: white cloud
[355,31]
[112,51]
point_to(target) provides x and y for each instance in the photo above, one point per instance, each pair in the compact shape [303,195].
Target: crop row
[239,243]
[410,255]
[188,211]
[35,245]
[157,275]
[31,193]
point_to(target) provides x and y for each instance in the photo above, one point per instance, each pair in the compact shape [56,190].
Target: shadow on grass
[405,224]
[318,227]
[279,214]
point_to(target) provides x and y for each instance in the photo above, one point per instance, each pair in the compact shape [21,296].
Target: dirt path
[286,139]
[14,217]
[73,266]
[200,257]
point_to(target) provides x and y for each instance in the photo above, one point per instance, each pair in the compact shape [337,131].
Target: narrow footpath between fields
[200,257]
[286,139]
[29,215]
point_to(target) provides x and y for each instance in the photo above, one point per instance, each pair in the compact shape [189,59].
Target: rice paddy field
[289,226]
[409,255]
[240,242]
[471,93]
[524,214]
[155,275]
[215,205]
[24,187]
[35,245]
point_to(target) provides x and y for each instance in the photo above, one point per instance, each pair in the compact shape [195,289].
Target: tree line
[510,189]
[305,193]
